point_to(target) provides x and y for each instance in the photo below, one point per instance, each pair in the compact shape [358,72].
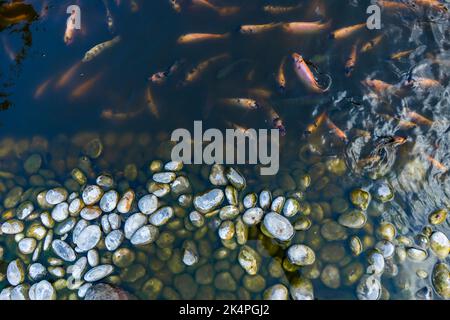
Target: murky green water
[59,105]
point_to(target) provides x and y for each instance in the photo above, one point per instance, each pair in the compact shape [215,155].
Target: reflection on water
[385,114]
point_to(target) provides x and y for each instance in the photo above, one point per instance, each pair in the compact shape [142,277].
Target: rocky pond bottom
[108,216]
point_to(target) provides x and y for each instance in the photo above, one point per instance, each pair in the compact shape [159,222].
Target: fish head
[297,58]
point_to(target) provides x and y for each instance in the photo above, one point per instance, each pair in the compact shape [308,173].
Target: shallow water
[44,103]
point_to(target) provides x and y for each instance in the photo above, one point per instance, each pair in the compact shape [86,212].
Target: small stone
[440,244]
[441,280]
[133,223]
[94,148]
[125,203]
[55,196]
[114,239]
[24,210]
[360,198]
[161,217]
[164,177]
[217,175]
[369,288]
[12,227]
[354,219]
[90,213]
[36,271]
[109,201]
[60,212]
[301,288]
[88,238]
[32,164]
[42,290]
[438,217]
[291,207]
[265,199]
[253,216]
[63,250]
[148,204]
[92,194]
[208,201]
[145,235]
[98,273]
[225,281]
[235,178]
[27,245]
[301,255]
[249,260]
[278,226]
[276,292]
[15,272]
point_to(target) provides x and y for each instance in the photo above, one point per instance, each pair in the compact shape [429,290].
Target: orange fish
[316,124]
[437,164]
[347,31]
[66,76]
[281,78]
[392,5]
[275,10]
[40,90]
[305,75]
[258,28]
[418,118]
[245,103]
[195,73]
[372,43]
[435,4]
[400,55]
[379,86]
[305,27]
[338,132]
[351,61]
[199,37]
[223,11]
[85,86]
[154,110]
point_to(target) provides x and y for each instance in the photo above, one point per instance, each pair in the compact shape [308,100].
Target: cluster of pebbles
[156,233]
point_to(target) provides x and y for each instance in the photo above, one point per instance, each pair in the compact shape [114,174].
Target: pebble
[92,194]
[208,201]
[145,235]
[253,216]
[114,239]
[15,272]
[125,203]
[55,196]
[60,212]
[301,255]
[42,290]
[12,227]
[88,238]
[278,226]
[63,250]
[99,272]
[133,223]
[161,217]
[148,204]
[109,201]
[164,177]
[91,213]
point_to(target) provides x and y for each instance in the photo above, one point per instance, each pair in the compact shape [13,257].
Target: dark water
[41,105]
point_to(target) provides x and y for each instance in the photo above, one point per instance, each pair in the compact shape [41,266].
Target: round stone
[278,226]
[27,245]
[15,272]
[161,217]
[109,201]
[42,290]
[114,239]
[98,273]
[88,238]
[60,212]
[249,260]
[125,203]
[354,219]
[92,194]
[56,195]
[145,235]
[133,223]
[12,227]
[253,216]
[164,177]
[208,201]
[63,250]
[301,255]
[90,213]
[148,204]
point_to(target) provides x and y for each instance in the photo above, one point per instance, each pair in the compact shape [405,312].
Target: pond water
[367,154]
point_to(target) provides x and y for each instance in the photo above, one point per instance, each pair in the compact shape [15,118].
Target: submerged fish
[418,118]
[305,74]
[372,43]
[335,129]
[436,163]
[223,11]
[310,129]
[274,119]
[109,114]
[281,78]
[152,106]
[99,48]
[245,103]
[83,88]
[195,73]
[162,76]
[199,37]
[280,9]
[401,54]
[305,27]
[175,5]
[347,31]
[66,76]
[223,73]
[351,61]
[258,28]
